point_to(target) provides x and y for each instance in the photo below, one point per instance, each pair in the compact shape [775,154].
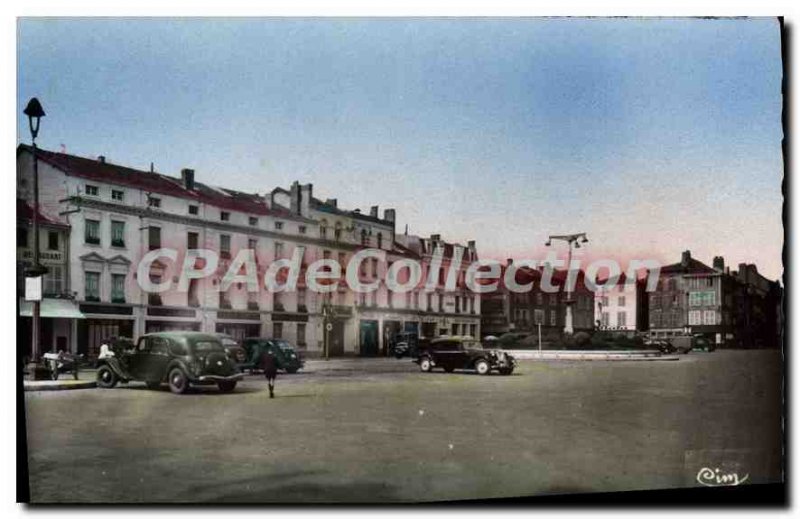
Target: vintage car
[180,359]
[233,349]
[405,343]
[286,357]
[451,353]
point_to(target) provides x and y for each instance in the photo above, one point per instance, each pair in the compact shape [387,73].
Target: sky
[653,136]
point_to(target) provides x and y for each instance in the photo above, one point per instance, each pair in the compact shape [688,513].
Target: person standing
[270,367]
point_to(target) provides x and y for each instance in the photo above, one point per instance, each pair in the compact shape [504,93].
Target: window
[117,234]
[91,289]
[92,232]
[154,298]
[538,316]
[539,298]
[441,303]
[621,301]
[22,237]
[278,225]
[472,305]
[117,195]
[153,202]
[192,299]
[430,302]
[301,300]
[252,301]
[343,260]
[472,330]
[301,334]
[277,302]
[695,317]
[302,229]
[225,301]
[277,330]
[278,250]
[458,305]
[52,240]
[54,281]
[194,210]
[622,319]
[380,240]
[92,190]
[552,317]
[364,238]
[225,216]
[253,221]
[192,240]
[117,288]
[225,246]
[710,317]
[154,237]
[252,244]
[604,319]
[337,232]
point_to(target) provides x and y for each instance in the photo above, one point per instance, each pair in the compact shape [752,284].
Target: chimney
[685,257]
[471,244]
[436,238]
[306,193]
[101,158]
[332,201]
[389,215]
[357,211]
[744,272]
[509,262]
[294,197]
[719,263]
[373,211]
[187,176]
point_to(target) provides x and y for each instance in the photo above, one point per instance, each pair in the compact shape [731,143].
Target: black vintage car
[286,357]
[179,358]
[451,353]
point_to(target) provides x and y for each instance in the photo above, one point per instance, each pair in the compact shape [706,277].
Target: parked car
[286,357]
[232,347]
[180,359]
[451,353]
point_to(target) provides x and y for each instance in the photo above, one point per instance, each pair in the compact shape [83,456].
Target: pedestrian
[270,370]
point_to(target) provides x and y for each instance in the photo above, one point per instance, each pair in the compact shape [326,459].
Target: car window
[207,346]
[144,344]
[158,345]
[177,348]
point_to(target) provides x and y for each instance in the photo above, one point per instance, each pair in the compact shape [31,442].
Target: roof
[25,212]
[319,205]
[693,266]
[417,245]
[153,182]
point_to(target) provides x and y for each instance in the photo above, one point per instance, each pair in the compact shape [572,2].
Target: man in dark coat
[270,368]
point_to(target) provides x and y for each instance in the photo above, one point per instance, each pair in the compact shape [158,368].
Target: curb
[45,385]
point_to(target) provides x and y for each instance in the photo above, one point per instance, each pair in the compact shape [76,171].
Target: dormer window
[194,210]
[253,221]
[92,190]
[278,225]
[153,202]
[225,216]
[117,195]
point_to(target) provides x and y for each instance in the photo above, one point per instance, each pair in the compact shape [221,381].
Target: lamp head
[585,239]
[35,112]
[548,243]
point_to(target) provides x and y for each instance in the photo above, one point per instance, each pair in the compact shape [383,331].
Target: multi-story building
[524,312]
[737,309]
[622,307]
[59,312]
[114,215]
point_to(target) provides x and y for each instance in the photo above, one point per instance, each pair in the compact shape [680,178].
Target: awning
[58,308]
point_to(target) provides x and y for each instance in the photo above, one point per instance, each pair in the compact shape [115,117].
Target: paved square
[380,431]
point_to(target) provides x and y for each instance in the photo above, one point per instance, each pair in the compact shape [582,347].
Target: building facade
[622,307]
[114,215]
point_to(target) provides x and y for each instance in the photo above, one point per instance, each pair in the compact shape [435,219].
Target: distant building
[506,311]
[734,310]
[622,307]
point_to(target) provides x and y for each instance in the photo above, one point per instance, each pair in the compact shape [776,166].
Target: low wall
[589,355]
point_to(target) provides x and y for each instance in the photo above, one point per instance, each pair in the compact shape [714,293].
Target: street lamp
[573,240]
[35,113]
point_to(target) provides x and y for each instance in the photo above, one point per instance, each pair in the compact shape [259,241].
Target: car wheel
[153,385]
[506,371]
[177,381]
[226,386]
[482,367]
[106,378]
[449,369]
[425,364]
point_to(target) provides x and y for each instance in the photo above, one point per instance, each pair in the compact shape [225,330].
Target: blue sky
[651,135]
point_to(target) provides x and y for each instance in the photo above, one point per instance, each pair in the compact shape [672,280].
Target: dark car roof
[185,335]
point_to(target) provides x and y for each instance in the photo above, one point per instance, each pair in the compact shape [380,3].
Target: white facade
[616,307]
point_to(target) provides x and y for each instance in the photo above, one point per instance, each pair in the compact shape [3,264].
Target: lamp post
[35,113]
[573,240]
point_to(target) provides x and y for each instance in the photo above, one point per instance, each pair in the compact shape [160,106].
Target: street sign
[33,289]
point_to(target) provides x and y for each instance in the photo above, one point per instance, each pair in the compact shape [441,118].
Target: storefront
[59,318]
